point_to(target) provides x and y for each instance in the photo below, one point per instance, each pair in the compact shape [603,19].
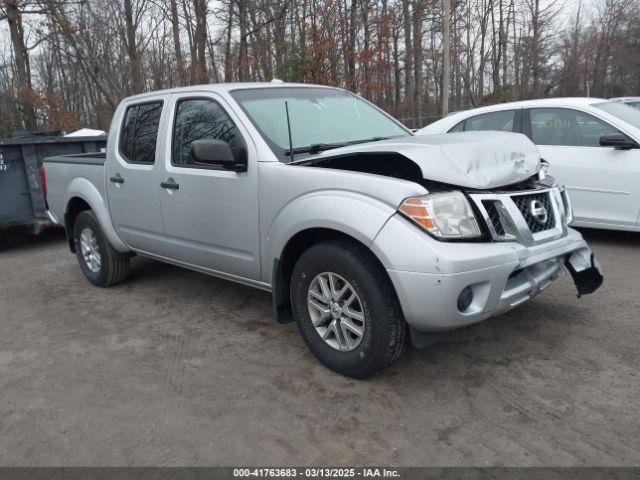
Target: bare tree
[132,47]
[175,31]
[446,54]
[69,62]
[13,12]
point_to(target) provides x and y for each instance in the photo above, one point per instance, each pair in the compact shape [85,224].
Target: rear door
[210,214]
[132,177]
[602,181]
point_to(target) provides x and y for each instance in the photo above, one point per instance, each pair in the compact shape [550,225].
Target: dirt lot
[177,368]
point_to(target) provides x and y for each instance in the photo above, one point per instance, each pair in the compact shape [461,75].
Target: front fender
[348,212]
[82,188]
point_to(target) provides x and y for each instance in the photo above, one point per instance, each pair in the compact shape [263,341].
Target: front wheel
[346,309]
[102,264]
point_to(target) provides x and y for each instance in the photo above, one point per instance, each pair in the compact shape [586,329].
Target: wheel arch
[75,206]
[311,218]
[83,195]
[293,249]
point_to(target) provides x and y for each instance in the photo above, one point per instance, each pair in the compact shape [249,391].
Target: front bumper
[428,275]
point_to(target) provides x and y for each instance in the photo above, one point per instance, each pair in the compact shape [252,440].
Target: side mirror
[215,152]
[618,141]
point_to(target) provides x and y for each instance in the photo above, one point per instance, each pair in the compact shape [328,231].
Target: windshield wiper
[316,147]
[321,147]
[367,140]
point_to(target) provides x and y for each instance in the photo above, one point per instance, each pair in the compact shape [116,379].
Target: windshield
[622,111]
[319,117]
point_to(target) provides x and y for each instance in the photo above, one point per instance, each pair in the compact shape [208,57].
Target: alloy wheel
[336,311]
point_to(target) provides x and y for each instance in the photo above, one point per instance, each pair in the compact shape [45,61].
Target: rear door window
[139,132]
[127,131]
[503,121]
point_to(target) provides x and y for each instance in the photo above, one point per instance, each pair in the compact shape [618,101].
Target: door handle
[117,179]
[170,184]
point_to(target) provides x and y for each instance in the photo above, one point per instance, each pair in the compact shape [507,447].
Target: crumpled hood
[481,160]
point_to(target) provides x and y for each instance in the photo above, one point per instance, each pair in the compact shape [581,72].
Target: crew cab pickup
[365,234]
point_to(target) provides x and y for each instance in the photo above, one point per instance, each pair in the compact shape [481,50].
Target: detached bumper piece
[585,271]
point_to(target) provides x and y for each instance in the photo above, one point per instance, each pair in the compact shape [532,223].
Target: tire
[384,329]
[113,266]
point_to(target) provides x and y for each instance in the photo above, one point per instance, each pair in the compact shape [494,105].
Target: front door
[602,181]
[210,214]
[132,178]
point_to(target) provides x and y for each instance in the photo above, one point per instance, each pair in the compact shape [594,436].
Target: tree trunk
[535,49]
[396,71]
[497,45]
[23,67]
[279,34]
[505,37]
[417,63]
[243,71]
[408,59]
[353,19]
[446,54]
[200,39]
[366,54]
[228,73]
[175,27]
[483,37]
[132,49]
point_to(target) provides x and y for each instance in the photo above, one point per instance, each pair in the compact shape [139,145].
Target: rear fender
[85,190]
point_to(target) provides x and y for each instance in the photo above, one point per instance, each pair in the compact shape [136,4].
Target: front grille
[494,216]
[527,205]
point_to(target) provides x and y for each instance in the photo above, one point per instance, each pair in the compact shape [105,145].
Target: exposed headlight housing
[544,170]
[446,215]
[568,209]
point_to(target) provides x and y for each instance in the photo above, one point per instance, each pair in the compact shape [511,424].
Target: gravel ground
[177,368]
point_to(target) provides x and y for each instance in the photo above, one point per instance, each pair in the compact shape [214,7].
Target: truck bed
[64,173]
[93,158]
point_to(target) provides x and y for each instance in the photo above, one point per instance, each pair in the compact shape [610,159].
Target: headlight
[444,215]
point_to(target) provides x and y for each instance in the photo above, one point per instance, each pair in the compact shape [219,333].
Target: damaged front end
[475,160]
[585,271]
[480,188]
[537,218]
[484,229]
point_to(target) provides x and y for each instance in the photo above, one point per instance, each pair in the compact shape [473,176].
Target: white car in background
[593,146]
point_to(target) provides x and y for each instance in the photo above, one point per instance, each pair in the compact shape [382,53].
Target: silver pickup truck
[365,234]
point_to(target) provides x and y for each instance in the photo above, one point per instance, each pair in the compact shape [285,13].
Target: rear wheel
[346,309]
[102,264]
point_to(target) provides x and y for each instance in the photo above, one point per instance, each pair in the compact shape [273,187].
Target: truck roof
[226,87]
